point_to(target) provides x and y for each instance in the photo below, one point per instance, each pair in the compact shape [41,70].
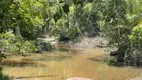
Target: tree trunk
[17,31]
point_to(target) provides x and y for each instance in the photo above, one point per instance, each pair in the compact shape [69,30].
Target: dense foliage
[15,44]
[120,22]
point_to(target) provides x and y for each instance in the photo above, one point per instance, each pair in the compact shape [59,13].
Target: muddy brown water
[64,63]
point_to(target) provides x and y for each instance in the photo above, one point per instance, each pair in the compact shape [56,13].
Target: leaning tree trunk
[68,23]
[17,31]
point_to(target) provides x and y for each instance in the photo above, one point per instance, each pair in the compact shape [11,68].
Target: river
[63,63]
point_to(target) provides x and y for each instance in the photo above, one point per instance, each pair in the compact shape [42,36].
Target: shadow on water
[106,59]
[31,62]
[14,63]
[35,77]
[65,48]
[122,64]
[49,58]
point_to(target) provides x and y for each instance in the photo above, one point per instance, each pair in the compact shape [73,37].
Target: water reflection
[48,58]
[35,77]
[14,63]
[65,48]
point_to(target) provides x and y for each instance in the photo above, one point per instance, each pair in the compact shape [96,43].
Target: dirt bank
[92,42]
[83,43]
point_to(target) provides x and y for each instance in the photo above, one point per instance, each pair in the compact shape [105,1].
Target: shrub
[15,44]
[2,77]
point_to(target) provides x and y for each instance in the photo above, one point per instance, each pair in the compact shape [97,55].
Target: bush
[136,36]
[15,44]
[42,45]
[22,47]
[2,77]
[134,56]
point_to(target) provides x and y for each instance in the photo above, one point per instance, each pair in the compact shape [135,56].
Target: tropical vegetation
[119,21]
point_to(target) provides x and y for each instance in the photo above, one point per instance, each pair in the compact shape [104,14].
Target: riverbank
[91,43]
[83,42]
